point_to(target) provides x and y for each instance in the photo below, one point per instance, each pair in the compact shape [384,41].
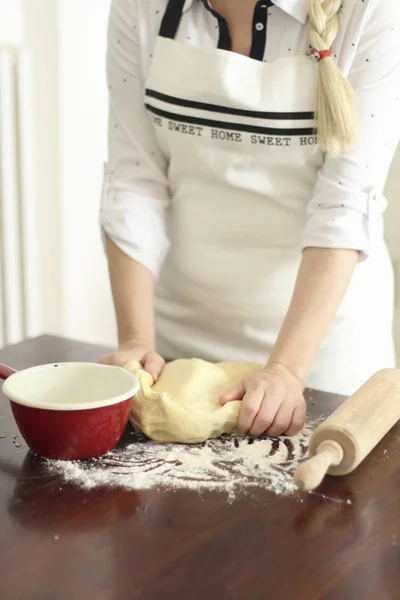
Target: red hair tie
[320,54]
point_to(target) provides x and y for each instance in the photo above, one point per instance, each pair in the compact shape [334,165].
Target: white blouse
[346,208]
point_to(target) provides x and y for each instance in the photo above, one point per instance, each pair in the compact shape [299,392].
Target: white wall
[83,114]
[65,41]
[11,23]
[40,42]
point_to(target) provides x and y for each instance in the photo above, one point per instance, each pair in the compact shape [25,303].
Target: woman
[248,151]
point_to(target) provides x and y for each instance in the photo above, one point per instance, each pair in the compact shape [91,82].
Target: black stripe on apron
[232,126]
[276,116]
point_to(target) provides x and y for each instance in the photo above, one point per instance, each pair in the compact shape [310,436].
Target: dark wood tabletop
[60,542]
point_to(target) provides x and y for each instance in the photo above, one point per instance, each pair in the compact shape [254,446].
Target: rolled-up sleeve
[135,190]
[348,201]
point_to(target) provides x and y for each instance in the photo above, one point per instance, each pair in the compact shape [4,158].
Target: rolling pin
[349,434]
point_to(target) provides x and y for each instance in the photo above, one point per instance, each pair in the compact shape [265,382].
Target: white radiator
[19,276]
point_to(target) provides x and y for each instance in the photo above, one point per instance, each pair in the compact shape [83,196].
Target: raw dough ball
[183,406]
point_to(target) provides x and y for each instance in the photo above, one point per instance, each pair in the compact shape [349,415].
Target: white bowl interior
[71,386]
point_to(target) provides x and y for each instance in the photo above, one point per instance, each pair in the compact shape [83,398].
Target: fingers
[153,363]
[298,420]
[104,360]
[266,414]
[119,359]
[276,418]
[251,403]
[271,402]
[282,420]
[110,359]
[236,393]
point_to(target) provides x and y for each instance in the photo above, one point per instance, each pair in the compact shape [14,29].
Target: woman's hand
[151,362]
[272,402]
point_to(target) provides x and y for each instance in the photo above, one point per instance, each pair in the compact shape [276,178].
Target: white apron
[243,158]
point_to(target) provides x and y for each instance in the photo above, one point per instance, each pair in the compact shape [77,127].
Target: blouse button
[259,26]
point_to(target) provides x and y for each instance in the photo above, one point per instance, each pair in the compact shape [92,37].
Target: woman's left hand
[272,402]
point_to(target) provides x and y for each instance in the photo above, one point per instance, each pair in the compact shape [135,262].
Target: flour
[231,463]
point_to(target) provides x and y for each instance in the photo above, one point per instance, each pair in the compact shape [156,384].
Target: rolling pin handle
[310,474]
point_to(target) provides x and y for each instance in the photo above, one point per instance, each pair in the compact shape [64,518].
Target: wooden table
[59,542]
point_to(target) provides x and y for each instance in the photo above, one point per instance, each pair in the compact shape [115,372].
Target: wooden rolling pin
[341,442]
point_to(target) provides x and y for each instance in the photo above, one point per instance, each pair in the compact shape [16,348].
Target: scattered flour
[230,463]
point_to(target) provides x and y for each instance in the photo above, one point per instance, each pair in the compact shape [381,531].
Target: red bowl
[71,411]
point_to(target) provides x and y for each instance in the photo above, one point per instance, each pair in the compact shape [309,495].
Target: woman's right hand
[151,362]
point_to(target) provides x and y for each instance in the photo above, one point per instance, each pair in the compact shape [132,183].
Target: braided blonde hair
[335,103]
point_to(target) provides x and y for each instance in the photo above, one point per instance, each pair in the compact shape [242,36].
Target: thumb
[236,393]
[153,363]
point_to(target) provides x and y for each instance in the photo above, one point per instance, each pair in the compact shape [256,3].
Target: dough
[183,406]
